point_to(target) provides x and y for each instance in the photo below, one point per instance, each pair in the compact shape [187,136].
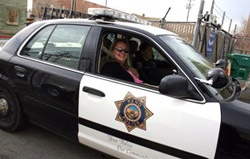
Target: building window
[12,16]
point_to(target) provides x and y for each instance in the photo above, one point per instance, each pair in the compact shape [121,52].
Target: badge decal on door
[133,112]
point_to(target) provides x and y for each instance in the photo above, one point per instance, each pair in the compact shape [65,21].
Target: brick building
[13,15]
[79,6]
[247,30]
[242,44]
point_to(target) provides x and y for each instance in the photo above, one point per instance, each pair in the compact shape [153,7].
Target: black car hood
[236,114]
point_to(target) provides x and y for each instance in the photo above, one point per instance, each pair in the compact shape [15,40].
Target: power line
[220,12]
[218,7]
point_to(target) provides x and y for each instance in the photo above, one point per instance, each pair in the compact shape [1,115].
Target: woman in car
[119,66]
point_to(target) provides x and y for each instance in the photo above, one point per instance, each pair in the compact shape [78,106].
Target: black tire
[11,114]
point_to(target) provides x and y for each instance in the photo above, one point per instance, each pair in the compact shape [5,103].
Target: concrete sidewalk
[245,96]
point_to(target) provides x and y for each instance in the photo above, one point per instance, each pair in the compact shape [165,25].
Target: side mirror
[174,85]
[218,78]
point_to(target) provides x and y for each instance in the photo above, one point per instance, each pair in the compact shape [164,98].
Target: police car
[50,76]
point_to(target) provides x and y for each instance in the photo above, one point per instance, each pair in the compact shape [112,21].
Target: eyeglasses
[121,50]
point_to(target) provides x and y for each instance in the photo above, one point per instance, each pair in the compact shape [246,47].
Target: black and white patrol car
[50,76]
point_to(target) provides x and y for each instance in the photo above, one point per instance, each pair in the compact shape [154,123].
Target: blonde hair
[128,63]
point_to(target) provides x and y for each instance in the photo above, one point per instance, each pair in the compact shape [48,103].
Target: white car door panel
[117,146]
[162,125]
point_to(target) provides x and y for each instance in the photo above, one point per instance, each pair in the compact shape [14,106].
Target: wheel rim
[10,115]
[4,107]
[6,112]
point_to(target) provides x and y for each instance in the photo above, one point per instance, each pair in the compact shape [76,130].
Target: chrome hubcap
[3,106]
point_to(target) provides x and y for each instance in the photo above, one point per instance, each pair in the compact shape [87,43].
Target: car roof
[148,28]
[151,29]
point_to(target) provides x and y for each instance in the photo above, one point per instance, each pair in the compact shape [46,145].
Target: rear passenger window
[61,44]
[36,45]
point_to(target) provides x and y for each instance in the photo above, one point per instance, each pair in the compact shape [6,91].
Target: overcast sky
[237,10]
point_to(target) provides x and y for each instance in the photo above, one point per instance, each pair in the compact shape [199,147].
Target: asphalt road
[33,142]
[245,96]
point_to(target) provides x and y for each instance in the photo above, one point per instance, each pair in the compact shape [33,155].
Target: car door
[171,126]
[129,120]
[47,78]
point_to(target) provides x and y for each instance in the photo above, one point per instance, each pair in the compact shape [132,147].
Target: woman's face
[120,52]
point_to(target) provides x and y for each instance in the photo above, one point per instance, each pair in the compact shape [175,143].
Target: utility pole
[229,28]
[189,6]
[212,9]
[198,24]
[72,8]
[106,2]
[221,49]
[223,19]
[211,13]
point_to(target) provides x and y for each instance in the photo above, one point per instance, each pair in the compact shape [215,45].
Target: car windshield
[196,62]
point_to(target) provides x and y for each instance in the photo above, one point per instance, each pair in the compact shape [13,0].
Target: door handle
[93,91]
[20,71]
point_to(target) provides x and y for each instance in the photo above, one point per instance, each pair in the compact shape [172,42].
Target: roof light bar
[116,15]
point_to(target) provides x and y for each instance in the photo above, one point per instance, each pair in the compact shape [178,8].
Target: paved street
[36,143]
[245,96]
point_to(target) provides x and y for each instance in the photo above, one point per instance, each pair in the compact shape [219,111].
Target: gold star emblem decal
[133,112]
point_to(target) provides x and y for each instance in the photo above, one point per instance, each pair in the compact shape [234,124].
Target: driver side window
[151,64]
[143,59]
